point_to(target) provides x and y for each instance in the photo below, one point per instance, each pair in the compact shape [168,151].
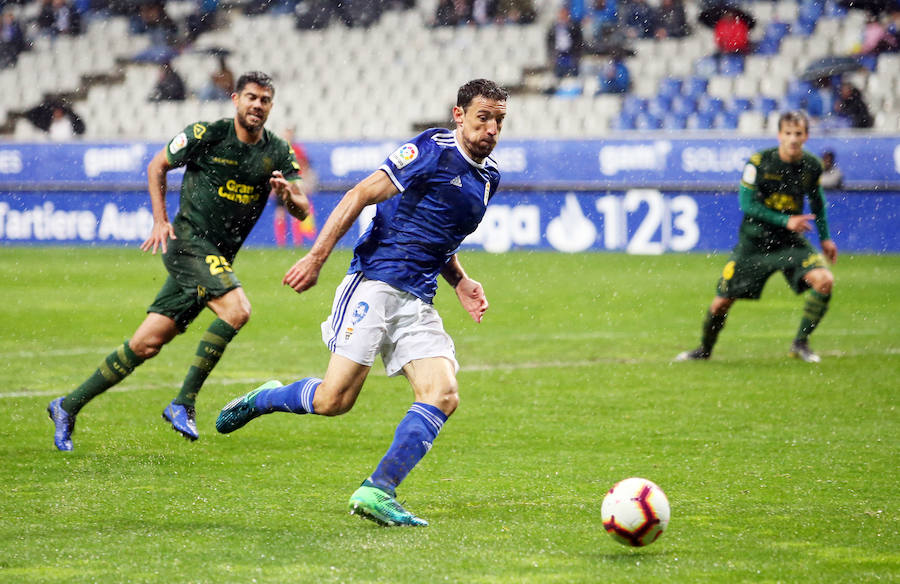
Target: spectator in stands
[453,13]
[851,106]
[153,19]
[484,12]
[203,20]
[53,115]
[516,11]
[832,177]
[59,17]
[732,34]
[220,85]
[614,77]
[876,38]
[565,44]
[12,39]
[170,86]
[640,19]
[300,231]
[671,20]
[602,22]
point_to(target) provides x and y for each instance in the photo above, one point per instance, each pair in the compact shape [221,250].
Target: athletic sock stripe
[214,339]
[306,393]
[338,321]
[203,364]
[108,373]
[123,358]
[433,420]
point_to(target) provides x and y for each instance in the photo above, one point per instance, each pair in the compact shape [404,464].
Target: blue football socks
[295,398]
[412,440]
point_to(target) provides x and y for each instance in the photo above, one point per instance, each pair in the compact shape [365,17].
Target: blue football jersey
[443,197]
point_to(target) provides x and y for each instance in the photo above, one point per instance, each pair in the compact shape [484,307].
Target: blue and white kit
[384,305]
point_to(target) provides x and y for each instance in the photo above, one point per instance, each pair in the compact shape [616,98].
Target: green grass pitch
[776,470]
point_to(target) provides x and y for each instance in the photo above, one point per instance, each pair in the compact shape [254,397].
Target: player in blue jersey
[430,193]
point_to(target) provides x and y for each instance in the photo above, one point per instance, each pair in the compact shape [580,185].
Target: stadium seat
[731,65]
[696,86]
[765,105]
[740,104]
[670,86]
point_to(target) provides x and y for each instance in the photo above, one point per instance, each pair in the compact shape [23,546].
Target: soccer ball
[635,512]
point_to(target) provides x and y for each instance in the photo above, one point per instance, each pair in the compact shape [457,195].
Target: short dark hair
[794,117]
[257,77]
[483,87]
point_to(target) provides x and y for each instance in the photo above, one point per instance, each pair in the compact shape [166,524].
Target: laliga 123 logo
[404,155]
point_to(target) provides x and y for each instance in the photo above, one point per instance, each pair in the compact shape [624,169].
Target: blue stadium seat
[673,121]
[740,104]
[731,65]
[765,105]
[776,30]
[633,105]
[728,120]
[767,46]
[701,121]
[625,121]
[670,86]
[706,66]
[659,106]
[683,105]
[870,62]
[695,87]
[710,105]
[646,121]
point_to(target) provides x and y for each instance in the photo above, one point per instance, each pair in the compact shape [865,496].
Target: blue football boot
[183,419]
[65,424]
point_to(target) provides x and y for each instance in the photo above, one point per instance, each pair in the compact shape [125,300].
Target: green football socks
[117,366]
[813,312]
[712,326]
[209,351]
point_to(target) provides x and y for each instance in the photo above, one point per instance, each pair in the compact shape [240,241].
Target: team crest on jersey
[404,155]
[178,142]
[360,312]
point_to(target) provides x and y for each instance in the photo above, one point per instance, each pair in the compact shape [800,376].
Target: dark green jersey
[226,182]
[772,190]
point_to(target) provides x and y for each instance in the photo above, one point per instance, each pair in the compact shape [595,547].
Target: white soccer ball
[635,512]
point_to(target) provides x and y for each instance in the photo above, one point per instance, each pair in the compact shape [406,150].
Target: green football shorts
[748,269]
[194,279]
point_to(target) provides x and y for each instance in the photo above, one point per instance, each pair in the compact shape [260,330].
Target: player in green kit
[230,167]
[773,187]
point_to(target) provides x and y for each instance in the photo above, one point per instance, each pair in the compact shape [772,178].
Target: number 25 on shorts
[218,264]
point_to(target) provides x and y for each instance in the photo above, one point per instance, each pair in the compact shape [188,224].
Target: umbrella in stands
[712,14]
[829,67]
[42,115]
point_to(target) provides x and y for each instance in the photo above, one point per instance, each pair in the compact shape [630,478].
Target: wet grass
[776,471]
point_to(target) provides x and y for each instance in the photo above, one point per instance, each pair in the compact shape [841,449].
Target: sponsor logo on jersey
[782,202]
[226,161]
[239,193]
[456,182]
[404,155]
[177,143]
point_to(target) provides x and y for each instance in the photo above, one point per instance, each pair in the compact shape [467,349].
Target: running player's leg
[821,282]
[233,312]
[153,333]
[435,388]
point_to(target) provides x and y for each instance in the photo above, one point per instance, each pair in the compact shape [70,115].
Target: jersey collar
[466,156]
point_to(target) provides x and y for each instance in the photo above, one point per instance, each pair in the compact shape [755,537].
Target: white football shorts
[370,317]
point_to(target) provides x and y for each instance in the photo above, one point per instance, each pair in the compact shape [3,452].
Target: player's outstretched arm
[375,188]
[470,293]
[156,183]
[295,200]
